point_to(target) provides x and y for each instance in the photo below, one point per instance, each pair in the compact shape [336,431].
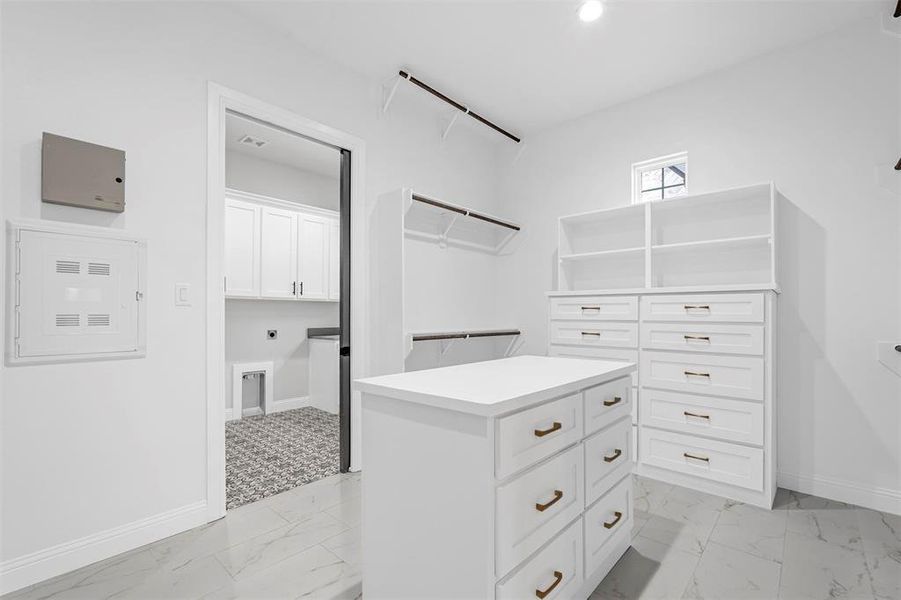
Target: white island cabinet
[500,479]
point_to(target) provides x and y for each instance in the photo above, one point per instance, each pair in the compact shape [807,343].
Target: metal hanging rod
[898,10]
[458,106]
[464,335]
[465,212]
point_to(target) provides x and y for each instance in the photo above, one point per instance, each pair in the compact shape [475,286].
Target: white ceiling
[281,147]
[529,64]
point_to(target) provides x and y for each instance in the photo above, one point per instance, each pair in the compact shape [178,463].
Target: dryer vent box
[77,173]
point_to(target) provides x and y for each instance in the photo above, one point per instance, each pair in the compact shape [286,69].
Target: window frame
[660,162]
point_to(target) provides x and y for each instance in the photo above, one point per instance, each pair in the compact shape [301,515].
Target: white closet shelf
[462,335]
[747,240]
[602,253]
[436,220]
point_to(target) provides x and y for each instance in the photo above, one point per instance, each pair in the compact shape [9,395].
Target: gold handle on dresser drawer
[558,577]
[591,308]
[616,454]
[543,507]
[696,306]
[699,416]
[697,374]
[704,338]
[543,432]
[695,457]
[592,333]
[612,524]
[616,400]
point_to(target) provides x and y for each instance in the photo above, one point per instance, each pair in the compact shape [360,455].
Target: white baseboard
[290,403]
[881,499]
[29,569]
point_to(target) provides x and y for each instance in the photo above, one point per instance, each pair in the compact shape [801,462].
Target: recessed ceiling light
[591,11]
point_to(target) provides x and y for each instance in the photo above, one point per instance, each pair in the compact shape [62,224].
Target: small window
[659,178]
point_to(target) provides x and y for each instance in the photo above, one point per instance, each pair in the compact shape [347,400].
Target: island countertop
[495,387]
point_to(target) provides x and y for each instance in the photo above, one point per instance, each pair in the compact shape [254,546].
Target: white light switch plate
[182,294]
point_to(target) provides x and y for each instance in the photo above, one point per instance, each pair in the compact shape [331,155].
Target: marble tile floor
[305,543]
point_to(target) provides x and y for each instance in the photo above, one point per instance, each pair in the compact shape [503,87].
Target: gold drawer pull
[612,524]
[691,414]
[616,454]
[558,577]
[543,432]
[616,400]
[584,308]
[594,333]
[704,458]
[696,306]
[543,507]
[697,374]
[705,338]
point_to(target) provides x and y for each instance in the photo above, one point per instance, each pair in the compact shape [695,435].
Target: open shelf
[592,255]
[716,262]
[750,240]
[451,224]
[608,230]
[606,270]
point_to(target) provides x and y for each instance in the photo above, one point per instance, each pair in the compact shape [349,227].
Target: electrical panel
[77,173]
[78,294]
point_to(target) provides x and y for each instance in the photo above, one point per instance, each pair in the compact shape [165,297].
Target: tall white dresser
[687,288]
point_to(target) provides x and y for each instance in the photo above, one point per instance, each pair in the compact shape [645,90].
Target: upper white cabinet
[242,249]
[280,250]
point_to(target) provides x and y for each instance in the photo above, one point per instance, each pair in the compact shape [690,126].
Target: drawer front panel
[719,461]
[730,420]
[735,376]
[725,308]
[613,333]
[595,308]
[598,353]
[723,339]
[606,403]
[535,506]
[555,571]
[527,437]
[608,457]
[611,514]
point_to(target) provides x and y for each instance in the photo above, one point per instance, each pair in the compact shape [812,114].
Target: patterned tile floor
[269,454]
[305,543]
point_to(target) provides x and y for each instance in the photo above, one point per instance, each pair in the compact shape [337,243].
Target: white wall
[819,120]
[252,174]
[97,448]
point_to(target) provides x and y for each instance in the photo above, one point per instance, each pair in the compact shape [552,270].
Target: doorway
[288,193]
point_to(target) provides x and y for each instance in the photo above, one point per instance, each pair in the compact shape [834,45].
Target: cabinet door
[312,278]
[334,260]
[242,249]
[278,270]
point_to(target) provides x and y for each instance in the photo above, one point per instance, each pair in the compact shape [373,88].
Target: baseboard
[290,403]
[881,499]
[29,569]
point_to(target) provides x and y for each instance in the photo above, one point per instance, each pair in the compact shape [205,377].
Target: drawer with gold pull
[607,403]
[613,334]
[524,438]
[733,376]
[595,308]
[609,516]
[536,505]
[704,308]
[706,337]
[710,459]
[554,572]
[608,457]
[721,418]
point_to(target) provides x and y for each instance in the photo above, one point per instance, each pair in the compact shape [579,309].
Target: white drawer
[598,353]
[611,514]
[727,308]
[719,461]
[599,333]
[606,403]
[608,457]
[704,337]
[554,573]
[532,508]
[526,437]
[595,308]
[736,376]
[730,420]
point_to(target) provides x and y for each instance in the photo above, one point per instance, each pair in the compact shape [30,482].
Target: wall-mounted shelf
[452,224]
[447,338]
[601,254]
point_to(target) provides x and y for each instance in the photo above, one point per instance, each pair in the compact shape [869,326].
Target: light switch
[182,294]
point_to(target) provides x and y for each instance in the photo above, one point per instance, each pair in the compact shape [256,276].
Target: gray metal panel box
[77,173]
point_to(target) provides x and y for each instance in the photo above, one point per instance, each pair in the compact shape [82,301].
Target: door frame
[220,100]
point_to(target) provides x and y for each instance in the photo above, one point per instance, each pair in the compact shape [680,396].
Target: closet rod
[465,212]
[464,335]
[457,105]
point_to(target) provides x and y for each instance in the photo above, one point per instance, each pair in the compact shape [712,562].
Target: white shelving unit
[433,272]
[721,238]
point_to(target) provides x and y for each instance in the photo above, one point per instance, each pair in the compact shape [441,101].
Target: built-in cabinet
[280,250]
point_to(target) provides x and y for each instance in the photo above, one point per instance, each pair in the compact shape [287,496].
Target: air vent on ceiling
[98,268]
[68,266]
[67,320]
[98,320]
[252,141]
